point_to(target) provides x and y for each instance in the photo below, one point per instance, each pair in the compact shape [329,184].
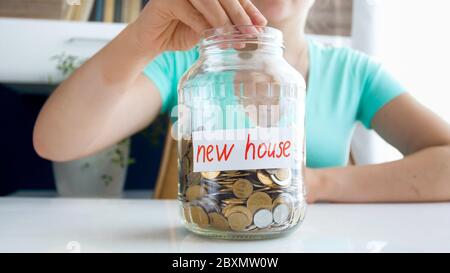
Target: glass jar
[241,145]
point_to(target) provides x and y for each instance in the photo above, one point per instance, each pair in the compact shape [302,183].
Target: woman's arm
[422,175]
[108,98]
[102,102]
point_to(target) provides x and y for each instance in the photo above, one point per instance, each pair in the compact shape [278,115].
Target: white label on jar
[246,149]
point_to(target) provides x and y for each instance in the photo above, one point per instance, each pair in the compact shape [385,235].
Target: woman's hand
[315,186]
[177,24]
[108,98]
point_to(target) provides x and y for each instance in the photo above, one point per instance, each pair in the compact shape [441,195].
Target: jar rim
[242,33]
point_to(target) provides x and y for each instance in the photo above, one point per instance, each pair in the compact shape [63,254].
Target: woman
[123,87]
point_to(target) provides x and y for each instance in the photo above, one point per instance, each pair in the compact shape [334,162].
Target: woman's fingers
[191,16]
[202,14]
[235,12]
[212,11]
[255,15]
[238,16]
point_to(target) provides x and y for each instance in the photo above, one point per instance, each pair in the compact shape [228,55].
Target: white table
[118,225]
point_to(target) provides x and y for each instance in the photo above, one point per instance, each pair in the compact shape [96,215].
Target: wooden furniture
[167,182]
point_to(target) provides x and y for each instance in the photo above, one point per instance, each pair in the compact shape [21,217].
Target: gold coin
[238,221]
[210,175]
[226,189]
[245,55]
[265,189]
[226,209]
[195,192]
[259,200]
[230,173]
[241,209]
[247,47]
[263,178]
[233,201]
[199,216]
[217,221]
[242,188]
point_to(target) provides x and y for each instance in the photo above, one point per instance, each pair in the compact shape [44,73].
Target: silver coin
[282,183]
[263,218]
[281,214]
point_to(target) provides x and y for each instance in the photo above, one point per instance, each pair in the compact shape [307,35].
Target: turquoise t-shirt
[344,86]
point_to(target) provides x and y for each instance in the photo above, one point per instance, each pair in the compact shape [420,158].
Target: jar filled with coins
[240,132]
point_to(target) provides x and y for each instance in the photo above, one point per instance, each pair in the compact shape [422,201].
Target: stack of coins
[239,200]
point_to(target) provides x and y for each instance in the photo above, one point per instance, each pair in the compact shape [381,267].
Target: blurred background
[43,41]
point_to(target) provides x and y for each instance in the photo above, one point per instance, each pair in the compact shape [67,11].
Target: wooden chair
[167,181]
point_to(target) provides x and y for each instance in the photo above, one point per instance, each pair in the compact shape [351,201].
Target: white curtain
[412,39]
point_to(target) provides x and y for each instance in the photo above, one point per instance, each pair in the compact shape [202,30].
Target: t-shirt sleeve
[161,72]
[166,70]
[378,88]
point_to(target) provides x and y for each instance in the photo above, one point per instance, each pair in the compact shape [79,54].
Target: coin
[263,178]
[242,188]
[195,192]
[298,214]
[233,201]
[245,55]
[271,171]
[265,189]
[281,213]
[230,173]
[283,174]
[284,198]
[217,221]
[259,200]
[226,209]
[210,175]
[282,177]
[263,218]
[238,221]
[239,200]
[240,209]
[199,216]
